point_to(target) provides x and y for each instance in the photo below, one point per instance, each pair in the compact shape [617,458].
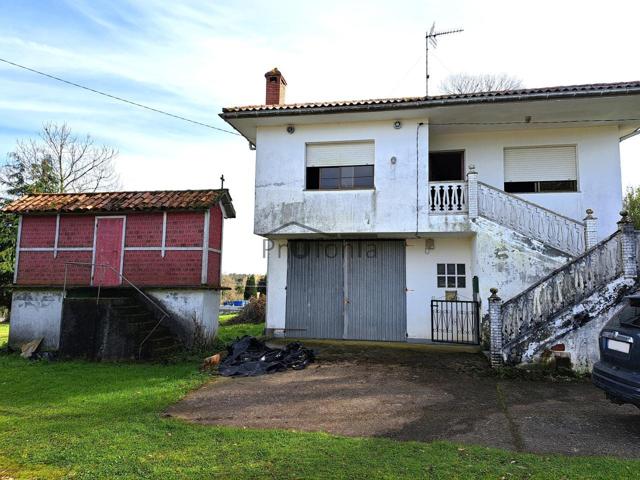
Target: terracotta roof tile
[568,90]
[120,201]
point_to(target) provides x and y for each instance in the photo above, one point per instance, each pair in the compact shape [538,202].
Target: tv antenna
[432,38]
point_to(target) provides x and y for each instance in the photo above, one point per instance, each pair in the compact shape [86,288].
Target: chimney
[276,87]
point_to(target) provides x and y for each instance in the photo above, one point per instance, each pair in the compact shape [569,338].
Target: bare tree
[60,161]
[486,82]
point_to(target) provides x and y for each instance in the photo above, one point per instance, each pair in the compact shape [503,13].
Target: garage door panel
[375,289]
[314,290]
[370,275]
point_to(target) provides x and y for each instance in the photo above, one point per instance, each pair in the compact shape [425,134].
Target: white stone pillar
[628,246]
[472,192]
[590,230]
[495,328]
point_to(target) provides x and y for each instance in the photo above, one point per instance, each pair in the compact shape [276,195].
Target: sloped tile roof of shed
[120,201]
[590,89]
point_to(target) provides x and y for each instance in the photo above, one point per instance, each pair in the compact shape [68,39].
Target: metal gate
[455,321]
[347,289]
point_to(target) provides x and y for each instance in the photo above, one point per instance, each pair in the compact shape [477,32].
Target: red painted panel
[40,268]
[215,228]
[144,229]
[38,231]
[109,233]
[185,229]
[177,268]
[76,231]
[213,270]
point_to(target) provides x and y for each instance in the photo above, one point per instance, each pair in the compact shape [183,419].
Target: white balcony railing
[448,198]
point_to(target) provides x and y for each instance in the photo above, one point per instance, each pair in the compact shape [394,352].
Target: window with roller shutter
[340,165]
[540,169]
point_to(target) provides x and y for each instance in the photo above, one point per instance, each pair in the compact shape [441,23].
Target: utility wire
[114,97]
[162,112]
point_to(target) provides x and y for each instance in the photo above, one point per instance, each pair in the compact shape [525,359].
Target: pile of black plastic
[248,357]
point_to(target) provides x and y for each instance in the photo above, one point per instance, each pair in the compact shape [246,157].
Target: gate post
[590,230]
[495,327]
[472,192]
[628,246]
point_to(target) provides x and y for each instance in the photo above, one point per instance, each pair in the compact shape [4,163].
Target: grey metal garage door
[350,289]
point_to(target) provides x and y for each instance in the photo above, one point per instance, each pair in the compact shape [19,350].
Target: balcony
[448,198]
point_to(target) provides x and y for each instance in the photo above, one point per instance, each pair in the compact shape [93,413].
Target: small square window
[451,275]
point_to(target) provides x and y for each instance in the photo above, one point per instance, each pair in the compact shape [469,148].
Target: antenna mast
[431,38]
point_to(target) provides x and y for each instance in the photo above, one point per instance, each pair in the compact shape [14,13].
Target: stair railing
[562,288]
[535,221]
[162,311]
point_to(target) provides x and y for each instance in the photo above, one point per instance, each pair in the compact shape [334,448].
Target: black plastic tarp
[248,357]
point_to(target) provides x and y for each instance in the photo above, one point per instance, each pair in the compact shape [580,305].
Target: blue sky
[192,58]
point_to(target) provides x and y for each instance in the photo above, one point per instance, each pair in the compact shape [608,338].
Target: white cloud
[193,57]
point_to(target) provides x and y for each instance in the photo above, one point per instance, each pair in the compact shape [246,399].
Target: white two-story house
[392,219]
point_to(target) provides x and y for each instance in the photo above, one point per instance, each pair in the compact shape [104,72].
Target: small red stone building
[168,243]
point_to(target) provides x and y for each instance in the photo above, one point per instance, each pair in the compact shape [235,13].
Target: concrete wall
[508,261]
[189,306]
[36,314]
[421,279]
[281,197]
[598,157]
[277,284]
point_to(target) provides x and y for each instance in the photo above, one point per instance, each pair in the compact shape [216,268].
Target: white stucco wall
[508,261]
[187,306]
[598,157]
[35,314]
[280,180]
[422,280]
[276,285]
[390,208]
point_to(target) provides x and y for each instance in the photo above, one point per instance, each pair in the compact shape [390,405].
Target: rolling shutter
[538,164]
[340,154]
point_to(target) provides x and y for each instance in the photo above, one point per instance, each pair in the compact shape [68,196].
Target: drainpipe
[418,175]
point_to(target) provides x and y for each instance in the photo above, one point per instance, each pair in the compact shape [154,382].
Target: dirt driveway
[413,393]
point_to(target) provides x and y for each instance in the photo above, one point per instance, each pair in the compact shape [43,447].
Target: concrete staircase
[589,288]
[115,324]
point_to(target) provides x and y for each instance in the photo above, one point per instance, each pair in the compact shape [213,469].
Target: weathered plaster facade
[512,242]
[509,261]
[191,307]
[578,328]
[36,314]
[281,197]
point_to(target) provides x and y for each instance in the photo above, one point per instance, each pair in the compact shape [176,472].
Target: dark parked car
[618,371]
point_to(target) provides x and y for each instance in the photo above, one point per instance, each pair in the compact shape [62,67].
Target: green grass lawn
[86,420]
[4,334]
[228,333]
